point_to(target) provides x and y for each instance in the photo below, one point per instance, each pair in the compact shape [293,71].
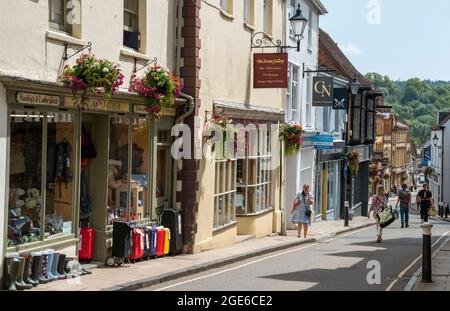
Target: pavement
[348,262]
[153,272]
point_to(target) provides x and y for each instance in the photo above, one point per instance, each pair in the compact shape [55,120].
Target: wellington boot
[14,269]
[61,264]
[20,284]
[27,271]
[36,266]
[43,279]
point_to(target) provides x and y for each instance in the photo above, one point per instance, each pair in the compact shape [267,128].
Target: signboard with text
[320,142]
[37,99]
[270,71]
[323,92]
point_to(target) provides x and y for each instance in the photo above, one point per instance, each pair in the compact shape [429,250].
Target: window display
[60,186]
[225,196]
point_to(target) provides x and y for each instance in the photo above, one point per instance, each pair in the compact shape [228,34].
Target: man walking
[404,200]
[425,200]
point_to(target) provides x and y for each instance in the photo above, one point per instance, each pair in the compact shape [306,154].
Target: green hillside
[416,101]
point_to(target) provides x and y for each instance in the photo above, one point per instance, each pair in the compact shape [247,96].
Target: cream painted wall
[26,51]
[226,74]
[3,172]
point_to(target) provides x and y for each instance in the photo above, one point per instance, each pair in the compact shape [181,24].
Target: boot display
[61,265]
[36,266]
[43,279]
[20,284]
[27,271]
[13,274]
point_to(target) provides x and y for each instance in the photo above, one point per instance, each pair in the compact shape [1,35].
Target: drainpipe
[179,120]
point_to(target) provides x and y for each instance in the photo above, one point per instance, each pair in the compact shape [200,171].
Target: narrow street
[336,264]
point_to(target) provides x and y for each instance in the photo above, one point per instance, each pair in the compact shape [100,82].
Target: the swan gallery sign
[270,71]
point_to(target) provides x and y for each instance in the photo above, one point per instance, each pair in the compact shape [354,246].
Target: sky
[401,38]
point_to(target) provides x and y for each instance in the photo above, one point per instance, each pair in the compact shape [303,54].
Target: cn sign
[323,92]
[270,71]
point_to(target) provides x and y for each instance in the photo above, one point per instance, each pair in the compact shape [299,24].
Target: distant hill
[416,101]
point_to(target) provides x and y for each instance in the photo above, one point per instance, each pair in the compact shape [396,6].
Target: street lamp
[435,140]
[354,87]
[298,24]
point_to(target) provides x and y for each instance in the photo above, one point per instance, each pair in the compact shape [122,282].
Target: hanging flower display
[91,74]
[292,135]
[222,122]
[353,158]
[159,87]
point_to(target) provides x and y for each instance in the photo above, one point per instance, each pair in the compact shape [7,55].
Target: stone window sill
[59,36]
[227,15]
[131,53]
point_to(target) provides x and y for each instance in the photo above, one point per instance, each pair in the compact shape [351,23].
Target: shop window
[370,119]
[227,6]
[356,118]
[41,176]
[225,193]
[254,176]
[60,164]
[249,12]
[60,15]
[267,19]
[118,174]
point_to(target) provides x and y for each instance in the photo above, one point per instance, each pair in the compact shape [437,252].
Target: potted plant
[353,159]
[91,74]
[292,136]
[159,87]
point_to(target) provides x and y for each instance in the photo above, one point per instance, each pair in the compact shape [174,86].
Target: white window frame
[308,101]
[267,16]
[310,28]
[134,14]
[66,12]
[225,191]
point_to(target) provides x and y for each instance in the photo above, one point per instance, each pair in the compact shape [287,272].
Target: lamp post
[354,87]
[298,24]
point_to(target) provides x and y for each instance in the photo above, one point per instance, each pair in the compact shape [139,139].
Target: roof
[330,47]
[445,120]
[319,6]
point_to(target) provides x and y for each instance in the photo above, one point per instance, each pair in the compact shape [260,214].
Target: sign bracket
[316,71]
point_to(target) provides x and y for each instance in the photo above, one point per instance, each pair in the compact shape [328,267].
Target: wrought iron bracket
[153,61]
[316,71]
[66,55]
[260,40]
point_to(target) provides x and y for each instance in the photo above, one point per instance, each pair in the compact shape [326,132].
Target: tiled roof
[342,63]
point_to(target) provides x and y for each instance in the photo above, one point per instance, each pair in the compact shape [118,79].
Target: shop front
[359,183]
[329,184]
[67,169]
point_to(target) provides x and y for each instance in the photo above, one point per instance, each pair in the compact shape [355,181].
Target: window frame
[308,100]
[63,24]
[268,17]
[43,187]
[227,6]
[135,16]
[249,12]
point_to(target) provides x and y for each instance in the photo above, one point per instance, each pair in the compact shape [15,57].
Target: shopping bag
[432,211]
[386,217]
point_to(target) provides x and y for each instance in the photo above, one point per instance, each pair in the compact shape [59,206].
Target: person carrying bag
[301,211]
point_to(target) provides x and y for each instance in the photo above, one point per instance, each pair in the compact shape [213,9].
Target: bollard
[346,211]
[426,253]
[447,210]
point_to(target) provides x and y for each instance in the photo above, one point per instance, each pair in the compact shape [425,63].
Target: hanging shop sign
[427,154]
[37,99]
[99,105]
[323,91]
[270,71]
[340,99]
[331,155]
[378,156]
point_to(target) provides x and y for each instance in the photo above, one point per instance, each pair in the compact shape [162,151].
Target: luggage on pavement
[86,251]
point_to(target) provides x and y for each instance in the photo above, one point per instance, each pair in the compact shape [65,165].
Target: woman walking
[378,205]
[301,211]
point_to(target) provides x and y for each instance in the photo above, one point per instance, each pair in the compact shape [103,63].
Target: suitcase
[150,242]
[171,219]
[167,241]
[86,251]
[137,250]
[161,239]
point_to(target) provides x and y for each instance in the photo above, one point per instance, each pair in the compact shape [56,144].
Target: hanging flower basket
[159,87]
[353,159]
[292,136]
[90,74]
[222,122]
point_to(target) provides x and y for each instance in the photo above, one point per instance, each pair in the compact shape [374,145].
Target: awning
[251,112]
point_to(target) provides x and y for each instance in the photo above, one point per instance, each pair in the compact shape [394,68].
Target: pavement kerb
[151,281]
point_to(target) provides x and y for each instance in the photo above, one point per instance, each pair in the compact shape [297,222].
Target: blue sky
[400,38]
